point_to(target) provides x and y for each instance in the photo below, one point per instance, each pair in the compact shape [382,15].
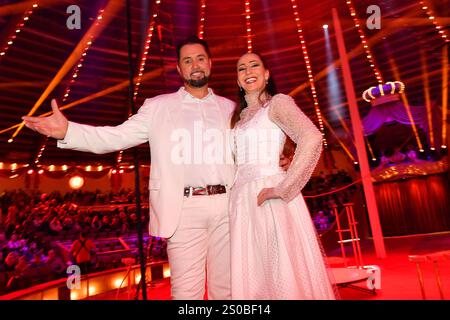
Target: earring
[240,88]
[267,81]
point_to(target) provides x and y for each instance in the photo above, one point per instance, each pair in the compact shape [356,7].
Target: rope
[334,191]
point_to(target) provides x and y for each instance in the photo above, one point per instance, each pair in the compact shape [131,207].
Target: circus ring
[108,281]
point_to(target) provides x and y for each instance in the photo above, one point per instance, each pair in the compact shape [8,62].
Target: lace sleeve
[284,112]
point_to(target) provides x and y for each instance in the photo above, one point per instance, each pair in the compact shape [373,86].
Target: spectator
[55,226]
[14,244]
[82,252]
[56,263]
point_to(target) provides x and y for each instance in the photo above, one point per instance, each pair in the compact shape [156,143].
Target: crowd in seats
[409,155]
[39,229]
[31,223]
[321,207]
[19,270]
[53,214]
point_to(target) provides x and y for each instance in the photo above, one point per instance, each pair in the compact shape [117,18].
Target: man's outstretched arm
[81,137]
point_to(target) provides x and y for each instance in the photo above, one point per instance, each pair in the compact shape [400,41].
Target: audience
[409,155]
[34,225]
[321,206]
[31,222]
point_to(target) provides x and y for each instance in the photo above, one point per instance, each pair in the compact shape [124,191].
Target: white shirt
[205,145]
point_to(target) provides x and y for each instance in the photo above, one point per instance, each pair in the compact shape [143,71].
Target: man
[81,252]
[188,191]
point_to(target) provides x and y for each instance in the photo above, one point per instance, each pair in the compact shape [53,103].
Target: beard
[197,83]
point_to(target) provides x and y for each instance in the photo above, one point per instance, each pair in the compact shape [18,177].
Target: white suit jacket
[154,123]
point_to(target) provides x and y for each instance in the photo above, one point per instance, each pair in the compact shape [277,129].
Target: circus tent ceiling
[44,43]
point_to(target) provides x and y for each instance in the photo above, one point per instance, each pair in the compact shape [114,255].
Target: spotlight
[444,146]
[76,182]
[325,26]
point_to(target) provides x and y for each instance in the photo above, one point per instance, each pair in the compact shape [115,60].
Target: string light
[74,75]
[202,17]
[119,157]
[79,65]
[41,151]
[145,52]
[431,16]
[308,68]
[369,57]
[364,42]
[143,60]
[248,25]
[17,30]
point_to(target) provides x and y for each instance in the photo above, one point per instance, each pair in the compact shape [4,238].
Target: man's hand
[266,194]
[54,126]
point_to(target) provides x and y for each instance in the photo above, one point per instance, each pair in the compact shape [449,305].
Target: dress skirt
[275,253]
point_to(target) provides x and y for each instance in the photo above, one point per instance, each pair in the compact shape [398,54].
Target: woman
[274,247]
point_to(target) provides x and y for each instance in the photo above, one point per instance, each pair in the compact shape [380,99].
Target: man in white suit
[188,187]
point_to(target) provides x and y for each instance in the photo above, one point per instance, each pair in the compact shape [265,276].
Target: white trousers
[200,249]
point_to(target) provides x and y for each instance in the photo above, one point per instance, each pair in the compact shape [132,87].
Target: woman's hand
[267,194]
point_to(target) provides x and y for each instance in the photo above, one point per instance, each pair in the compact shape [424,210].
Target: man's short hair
[192,40]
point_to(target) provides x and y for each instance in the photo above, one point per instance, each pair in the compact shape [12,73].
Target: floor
[399,279]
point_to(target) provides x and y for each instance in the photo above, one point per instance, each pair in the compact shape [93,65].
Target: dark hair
[192,40]
[241,104]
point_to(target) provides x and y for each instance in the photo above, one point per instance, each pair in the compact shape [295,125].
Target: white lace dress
[275,252]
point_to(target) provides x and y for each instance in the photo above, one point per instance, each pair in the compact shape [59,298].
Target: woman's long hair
[241,104]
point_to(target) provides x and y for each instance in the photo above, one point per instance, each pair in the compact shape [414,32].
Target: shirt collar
[186,96]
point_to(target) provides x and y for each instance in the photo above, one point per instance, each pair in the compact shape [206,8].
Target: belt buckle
[200,190]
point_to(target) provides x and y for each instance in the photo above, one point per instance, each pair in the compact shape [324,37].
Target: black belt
[204,191]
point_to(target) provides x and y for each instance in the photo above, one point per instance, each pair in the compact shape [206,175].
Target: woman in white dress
[275,253]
